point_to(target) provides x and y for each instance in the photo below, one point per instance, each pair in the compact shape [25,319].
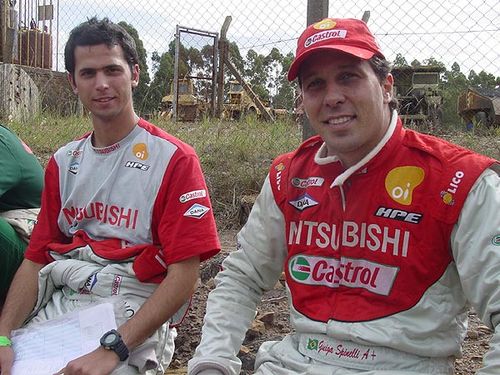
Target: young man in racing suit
[125,217]
[385,235]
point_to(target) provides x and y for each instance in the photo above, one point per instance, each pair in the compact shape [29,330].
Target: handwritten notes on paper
[45,348]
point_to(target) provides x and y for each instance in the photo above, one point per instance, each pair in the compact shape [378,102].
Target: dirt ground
[272,323]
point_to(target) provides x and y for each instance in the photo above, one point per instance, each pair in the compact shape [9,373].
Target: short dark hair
[93,32]
[382,68]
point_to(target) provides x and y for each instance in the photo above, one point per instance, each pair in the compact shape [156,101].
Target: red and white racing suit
[381,261]
[112,221]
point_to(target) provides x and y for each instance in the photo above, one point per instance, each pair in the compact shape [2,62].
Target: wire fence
[460,37]
[449,31]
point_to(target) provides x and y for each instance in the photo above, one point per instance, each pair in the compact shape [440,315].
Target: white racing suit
[22,220]
[382,262]
[80,278]
[112,221]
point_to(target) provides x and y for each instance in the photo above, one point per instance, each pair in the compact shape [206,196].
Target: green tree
[400,61]
[206,69]
[163,66]
[286,93]
[486,80]
[454,83]
[454,77]
[274,69]
[256,73]
[160,86]
[473,78]
[235,57]
[431,61]
[184,58]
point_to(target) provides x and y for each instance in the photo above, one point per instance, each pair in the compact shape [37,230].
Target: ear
[71,79]
[135,75]
[299,107]
[387,87]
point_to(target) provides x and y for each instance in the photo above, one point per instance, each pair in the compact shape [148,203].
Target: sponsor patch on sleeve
[202,193]
[197,211]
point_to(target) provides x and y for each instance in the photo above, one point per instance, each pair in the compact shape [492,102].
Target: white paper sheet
[47,347]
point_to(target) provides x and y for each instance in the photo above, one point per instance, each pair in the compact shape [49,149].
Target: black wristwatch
[112,340]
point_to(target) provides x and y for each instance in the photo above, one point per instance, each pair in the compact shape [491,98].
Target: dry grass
[235,156]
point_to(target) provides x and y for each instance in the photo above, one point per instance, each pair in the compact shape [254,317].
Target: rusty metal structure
[28,35]
[242,99]
[239,103]
[480,106]
[184,104]
[190,107]
[418,92]
[26,32]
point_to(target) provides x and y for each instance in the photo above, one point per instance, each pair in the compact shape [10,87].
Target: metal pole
[19,32]
[214,75]
[316,11]
[176,72]
[223,48]
[42,32]
[57,37]
[3,16]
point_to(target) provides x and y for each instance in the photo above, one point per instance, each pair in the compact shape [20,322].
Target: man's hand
[98,362]
[6,360]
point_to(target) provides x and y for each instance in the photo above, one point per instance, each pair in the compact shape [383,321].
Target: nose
[101,81]
[334,95]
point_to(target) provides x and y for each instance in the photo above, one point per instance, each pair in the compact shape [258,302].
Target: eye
[314,84]
[114,70]
[86,73]
[346,76]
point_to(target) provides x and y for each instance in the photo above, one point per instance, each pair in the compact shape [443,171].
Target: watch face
[110,338]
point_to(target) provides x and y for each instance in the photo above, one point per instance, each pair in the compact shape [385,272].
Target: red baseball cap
[342,34]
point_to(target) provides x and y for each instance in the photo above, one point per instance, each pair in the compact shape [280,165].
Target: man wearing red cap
[385,235]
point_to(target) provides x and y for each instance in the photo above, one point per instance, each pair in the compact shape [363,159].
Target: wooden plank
[177,371]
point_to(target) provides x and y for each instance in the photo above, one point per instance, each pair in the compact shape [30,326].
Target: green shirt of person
[21,182]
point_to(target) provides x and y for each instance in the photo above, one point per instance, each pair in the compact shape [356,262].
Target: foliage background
[235,156]
[462,36]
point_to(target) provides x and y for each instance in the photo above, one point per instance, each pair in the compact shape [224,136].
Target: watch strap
[118,347]
[121,350]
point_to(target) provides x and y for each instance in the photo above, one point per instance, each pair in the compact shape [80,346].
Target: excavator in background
[189,106]
[480,106]
[418,92]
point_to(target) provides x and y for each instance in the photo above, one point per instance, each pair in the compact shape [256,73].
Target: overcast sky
[464,31]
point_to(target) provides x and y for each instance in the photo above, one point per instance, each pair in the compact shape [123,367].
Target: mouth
[104,99]
[339,120]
